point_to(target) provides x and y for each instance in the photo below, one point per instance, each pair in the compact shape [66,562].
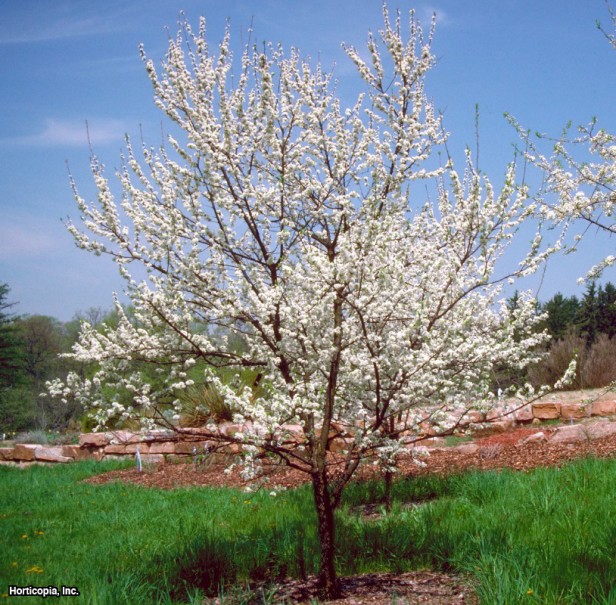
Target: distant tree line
[589,317]
[30,354]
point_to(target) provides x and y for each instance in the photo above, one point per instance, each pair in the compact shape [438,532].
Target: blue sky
[65,62]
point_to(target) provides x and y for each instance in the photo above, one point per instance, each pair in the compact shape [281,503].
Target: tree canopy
[279,215]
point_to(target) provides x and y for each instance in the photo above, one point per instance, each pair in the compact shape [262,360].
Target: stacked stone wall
[168,446]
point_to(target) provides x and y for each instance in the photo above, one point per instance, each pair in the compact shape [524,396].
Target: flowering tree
[278,214]
[579,177]
[579,183]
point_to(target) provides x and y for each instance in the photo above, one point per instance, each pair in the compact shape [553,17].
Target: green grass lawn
[548,536]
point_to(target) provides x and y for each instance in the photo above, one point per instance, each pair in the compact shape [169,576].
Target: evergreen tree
[11,349]
[588,315]
[562,315]
[14,414]
[606,303]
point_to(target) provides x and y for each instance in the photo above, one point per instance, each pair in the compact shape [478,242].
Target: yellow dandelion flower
[34,569]
[24,536]
[530,591]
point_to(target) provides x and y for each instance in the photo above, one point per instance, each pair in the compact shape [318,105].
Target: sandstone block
[539,437]
[495,414]
[339,428]
[546,411]
[427,429]
[152,458]
[466,448]
[115,450]
[24,451]
[129,449]
[96,454]
[186,447]
[6,453]
[78,453]
[123,437]
[94,439]
[157,434]
[501,426]
[162,448]
[596,430]
[573,410]
[476,416]
[50,454]
[292,428]
[472,416]
[198,433]
[569,434]
[524,414]
[489,428]
[603,408]
[71,451]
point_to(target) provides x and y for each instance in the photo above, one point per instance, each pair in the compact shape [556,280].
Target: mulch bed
[413,588]
[496,451]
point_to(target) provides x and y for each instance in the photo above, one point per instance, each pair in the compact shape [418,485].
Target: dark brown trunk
[328,580]
[388,481]
[301,560]
[390,426]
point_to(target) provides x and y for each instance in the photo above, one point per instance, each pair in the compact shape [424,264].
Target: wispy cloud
[72,133]
[62,29]
[428,11]
[55,21]
[27,237]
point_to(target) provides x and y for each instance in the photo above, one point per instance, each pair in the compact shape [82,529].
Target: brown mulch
[496,451]
[506,450]
[412,588]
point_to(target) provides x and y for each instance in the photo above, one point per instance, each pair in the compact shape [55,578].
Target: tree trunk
[301,559]
[328,581]
[388,481]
